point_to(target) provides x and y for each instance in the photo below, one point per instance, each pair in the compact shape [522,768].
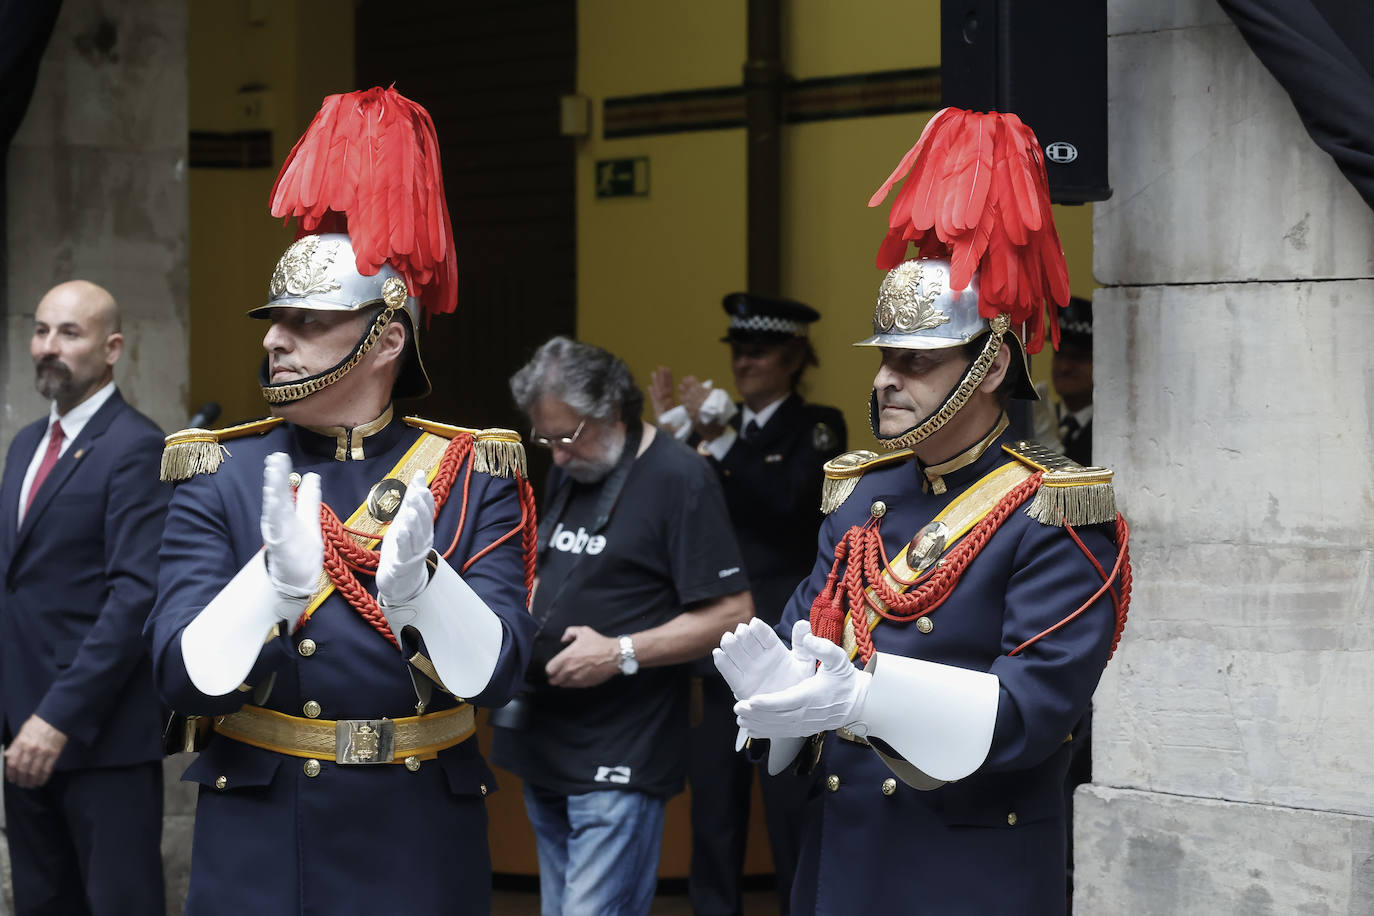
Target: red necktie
[49,459]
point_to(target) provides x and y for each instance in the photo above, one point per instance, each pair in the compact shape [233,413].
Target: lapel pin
[79,453]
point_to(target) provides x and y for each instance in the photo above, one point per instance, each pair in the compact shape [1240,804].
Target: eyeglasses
[564,441]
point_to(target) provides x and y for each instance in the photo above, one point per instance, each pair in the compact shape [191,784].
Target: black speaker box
[1046,62]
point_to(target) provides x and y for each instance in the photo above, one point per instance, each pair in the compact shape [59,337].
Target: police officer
[968,591]
[339,586]
[769,457]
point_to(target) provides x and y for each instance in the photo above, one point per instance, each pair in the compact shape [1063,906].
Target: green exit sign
[622,177]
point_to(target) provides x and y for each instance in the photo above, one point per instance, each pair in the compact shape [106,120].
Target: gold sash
[964,511]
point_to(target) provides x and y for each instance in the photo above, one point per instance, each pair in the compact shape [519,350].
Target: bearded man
[639,574]
[81,513]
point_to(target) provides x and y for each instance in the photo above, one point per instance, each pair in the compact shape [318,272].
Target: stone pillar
[97,190]
[1232,750]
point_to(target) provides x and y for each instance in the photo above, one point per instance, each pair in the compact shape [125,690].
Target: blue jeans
[598,851]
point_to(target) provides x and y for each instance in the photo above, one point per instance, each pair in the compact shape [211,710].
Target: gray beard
[592,470]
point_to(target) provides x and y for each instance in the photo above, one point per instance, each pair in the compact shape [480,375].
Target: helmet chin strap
[974,375]
[287,392]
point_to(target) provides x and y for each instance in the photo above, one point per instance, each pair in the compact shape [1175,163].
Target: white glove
[832,697]
[676,421]
[295,546]
[401,571]
[753,660]
[717,409]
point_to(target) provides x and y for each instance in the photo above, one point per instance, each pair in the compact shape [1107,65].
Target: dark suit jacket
[80,575]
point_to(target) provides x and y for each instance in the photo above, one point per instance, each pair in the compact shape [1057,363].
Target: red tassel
[369,165]
[976,192]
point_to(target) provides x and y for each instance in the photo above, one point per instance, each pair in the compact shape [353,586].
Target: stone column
[97,190]
[1232,748]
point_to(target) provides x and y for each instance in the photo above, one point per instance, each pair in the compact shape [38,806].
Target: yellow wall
[651,271]
[299,51]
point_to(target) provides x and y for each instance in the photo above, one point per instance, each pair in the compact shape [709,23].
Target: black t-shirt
[667,546]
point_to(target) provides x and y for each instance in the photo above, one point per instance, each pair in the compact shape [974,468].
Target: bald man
[81,513]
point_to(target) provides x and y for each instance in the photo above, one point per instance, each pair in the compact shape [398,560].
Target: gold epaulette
[842,473]
[1069,493]
[498,452]
[201,451]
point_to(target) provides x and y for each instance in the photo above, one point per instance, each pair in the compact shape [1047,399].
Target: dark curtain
[1322,53]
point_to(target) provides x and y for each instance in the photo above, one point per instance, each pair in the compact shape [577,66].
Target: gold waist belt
[353,741]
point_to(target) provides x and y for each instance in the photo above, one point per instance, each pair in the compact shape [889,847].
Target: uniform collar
[962,467]
[352,444]
[764,415]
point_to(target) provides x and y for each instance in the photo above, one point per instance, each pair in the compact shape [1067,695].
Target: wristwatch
[628,665]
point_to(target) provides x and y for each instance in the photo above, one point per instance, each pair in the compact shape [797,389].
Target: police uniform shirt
[667,546]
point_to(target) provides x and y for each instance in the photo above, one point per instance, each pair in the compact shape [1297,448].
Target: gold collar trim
[348,443]
[935,473]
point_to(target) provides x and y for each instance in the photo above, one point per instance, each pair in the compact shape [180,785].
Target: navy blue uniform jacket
[992,843]
[80,575]
[354,838]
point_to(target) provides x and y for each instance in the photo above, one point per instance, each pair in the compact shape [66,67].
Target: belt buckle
[364,741]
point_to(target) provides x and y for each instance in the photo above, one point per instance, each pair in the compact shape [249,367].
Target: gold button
[889,786]
[412,763]
[878,509]
[924,624]
[311,709]
[832,782]
[1011,819]
[221,782]
[312,768]
[294,479]
[306,647]
[482,788]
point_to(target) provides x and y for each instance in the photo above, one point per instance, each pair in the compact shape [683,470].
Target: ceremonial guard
[970,587]
[340,586]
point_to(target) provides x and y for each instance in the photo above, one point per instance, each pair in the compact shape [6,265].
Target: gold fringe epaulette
[1069,493]
[498,452]
[842,473]
[201,451]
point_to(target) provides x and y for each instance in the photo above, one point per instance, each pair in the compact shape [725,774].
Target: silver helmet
[319,272]
[917,310]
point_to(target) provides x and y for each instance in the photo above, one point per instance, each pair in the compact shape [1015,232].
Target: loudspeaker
[1046,62]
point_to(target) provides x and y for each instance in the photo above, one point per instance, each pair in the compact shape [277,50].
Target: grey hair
[592,381]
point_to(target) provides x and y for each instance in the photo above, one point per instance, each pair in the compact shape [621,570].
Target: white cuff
[462,635]
[721,444]
[220,646]
[782,752]
[939,718]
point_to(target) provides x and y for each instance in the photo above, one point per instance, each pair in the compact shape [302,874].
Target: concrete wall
[1232,755]
[97,189]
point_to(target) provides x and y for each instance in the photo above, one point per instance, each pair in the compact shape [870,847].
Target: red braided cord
[869,560]
[462,516]
[343,554]
[530,533]
[1122,567]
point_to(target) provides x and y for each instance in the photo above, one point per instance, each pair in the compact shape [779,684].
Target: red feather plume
[976,193]
[368,165]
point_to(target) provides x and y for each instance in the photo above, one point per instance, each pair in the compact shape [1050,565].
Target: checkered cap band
[1084,328]
[769,324]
